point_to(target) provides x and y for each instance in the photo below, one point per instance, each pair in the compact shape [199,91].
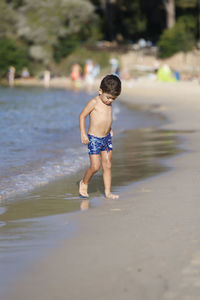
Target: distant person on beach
[75,74]
[25,73]
[99,137]
[11,76]
[47,78]
[89,74]
[96,70]
[115,66]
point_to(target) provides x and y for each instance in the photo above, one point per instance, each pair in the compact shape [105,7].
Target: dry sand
[146,245]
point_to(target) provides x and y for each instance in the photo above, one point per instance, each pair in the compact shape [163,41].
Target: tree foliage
[54,29]
[121,19]
[16,3]
[7,20]
[130,20]
[43,23]
[11,54]
[178,38]
[187,3]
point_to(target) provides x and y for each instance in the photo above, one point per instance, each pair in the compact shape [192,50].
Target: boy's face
[106,98]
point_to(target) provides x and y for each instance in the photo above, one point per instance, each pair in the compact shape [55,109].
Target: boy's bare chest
[103,110]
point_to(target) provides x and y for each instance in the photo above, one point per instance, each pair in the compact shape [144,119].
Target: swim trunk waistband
[99,137]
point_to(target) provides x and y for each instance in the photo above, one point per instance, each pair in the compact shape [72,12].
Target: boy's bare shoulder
[94,100]
[89,107]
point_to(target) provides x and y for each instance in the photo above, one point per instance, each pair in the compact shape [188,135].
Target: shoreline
[147,242]
[66,83]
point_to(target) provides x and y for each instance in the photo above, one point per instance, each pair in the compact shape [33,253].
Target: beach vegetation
[87,36]
[12,55]
[122,20]
[187,3]
[7,20]
[44,24]
[55,31]
[16,3]
[80,55]
[181,37]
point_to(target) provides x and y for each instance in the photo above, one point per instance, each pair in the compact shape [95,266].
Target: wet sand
[146,244]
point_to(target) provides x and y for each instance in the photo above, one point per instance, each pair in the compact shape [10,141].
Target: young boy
[99,137]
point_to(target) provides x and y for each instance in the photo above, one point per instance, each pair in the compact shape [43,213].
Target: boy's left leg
[94,167]
[106,157]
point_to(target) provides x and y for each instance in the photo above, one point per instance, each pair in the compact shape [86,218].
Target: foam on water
[24,182]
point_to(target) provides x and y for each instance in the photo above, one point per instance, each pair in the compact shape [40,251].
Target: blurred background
[55,34]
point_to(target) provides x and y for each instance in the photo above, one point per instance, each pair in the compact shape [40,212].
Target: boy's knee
[107,164]
[95,168]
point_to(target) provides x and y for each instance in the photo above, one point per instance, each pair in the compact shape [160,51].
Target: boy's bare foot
[112,196]
[83,189]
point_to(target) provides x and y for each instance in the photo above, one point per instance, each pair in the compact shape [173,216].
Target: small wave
[2,224]
[2,210]
[71,162]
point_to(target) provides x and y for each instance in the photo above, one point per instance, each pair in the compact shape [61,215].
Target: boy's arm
[111,132]
[85,112]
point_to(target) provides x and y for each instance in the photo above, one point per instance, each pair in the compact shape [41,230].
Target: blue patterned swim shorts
[98,144]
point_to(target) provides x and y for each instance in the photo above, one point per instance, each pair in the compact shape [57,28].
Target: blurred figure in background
[47,77]
[25,73]
[11,75]
[96,70]
[114,67]
[156,65]
[75,75]
[88,73]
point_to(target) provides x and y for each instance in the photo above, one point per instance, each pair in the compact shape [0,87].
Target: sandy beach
[146,244]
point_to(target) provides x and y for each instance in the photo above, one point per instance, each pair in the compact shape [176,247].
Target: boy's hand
[111,132]
[84,139]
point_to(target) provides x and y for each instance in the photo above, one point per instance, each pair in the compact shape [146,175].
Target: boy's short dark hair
[111,84]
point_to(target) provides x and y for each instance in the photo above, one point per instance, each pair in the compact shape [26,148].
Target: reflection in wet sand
[85,204]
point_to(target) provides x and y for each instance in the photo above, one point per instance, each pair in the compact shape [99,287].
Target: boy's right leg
[107,175]
[94,167]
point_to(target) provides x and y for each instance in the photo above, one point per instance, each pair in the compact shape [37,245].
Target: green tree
[11,54]
[170,7]
[186,3]
[190,8]
[155,19]
[15,3]
[44,23]
[121,19]
[130,19]
[7,20]
[179,38]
